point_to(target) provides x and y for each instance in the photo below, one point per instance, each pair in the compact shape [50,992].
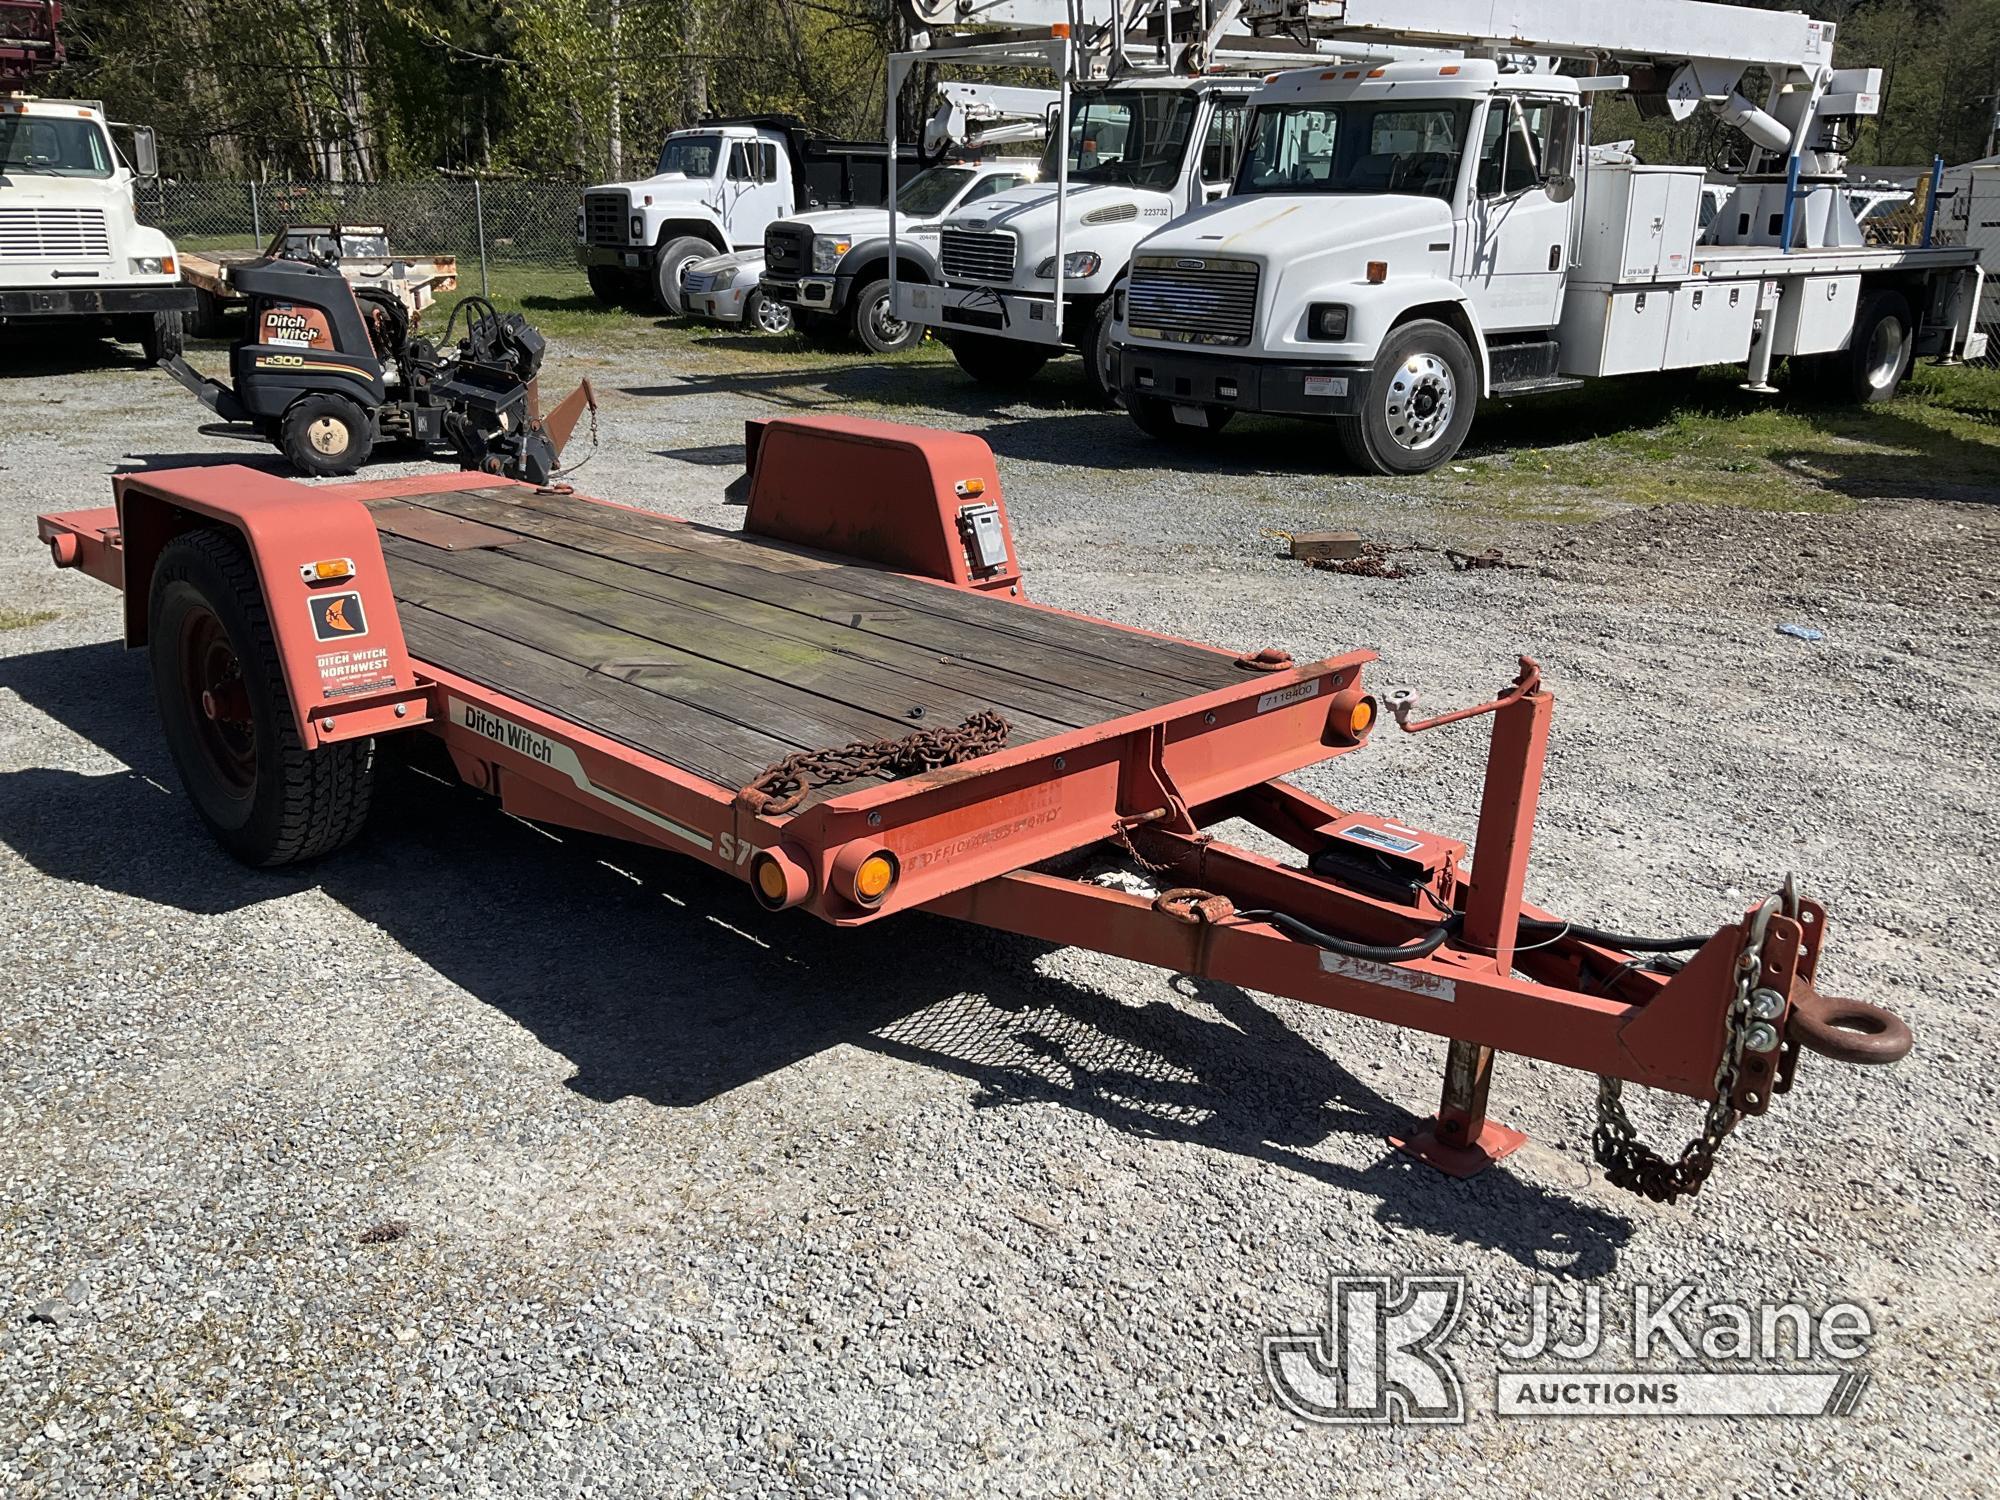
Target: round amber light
[770,879]
[876,875]
[1362,719]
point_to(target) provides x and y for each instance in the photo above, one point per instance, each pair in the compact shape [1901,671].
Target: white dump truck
[1405,240]
[72,250]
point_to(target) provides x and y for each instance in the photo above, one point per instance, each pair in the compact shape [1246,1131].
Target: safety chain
[1631,1164]
[567,469]
[782,787]
[1123,839]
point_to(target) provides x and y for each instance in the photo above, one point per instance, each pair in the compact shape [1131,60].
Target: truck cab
[832,268]
[72,249]
[1141,151]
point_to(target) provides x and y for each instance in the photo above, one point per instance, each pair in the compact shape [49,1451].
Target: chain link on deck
[1630,1163]
[783,786]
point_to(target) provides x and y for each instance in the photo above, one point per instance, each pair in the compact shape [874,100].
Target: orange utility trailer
[851,707]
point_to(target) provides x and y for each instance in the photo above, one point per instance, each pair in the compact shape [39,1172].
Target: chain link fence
[483,224]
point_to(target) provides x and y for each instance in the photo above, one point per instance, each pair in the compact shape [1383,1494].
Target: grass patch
[21,619]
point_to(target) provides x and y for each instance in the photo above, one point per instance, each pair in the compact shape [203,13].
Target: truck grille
[978,257]
[54,234]
[788,250]
[605,216]
[1187,299]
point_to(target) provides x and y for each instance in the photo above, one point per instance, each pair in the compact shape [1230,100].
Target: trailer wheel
[999,362]
[876,325]
[210,314]
[162,336]
[1871,368]
[324,434]
[229,725]
[675,257]
[1419,403]
[1156,418]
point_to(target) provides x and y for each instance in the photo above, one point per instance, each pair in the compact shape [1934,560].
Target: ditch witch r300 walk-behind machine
[328,370]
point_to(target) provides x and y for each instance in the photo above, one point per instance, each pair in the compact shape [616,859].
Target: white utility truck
[717,188]
[72,250]
[832,268]
[1407,239]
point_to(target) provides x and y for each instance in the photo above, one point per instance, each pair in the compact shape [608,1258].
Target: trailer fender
[906,498]
[346,667]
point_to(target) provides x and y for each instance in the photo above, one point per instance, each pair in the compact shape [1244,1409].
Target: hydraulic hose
[1405,953]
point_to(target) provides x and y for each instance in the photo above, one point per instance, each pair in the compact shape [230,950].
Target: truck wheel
[1156,418]
[162,336]
[229,725]
[1419,402]
[609,286]
[1871,368]
[674,258]
[325,434]
[1000,362]
[209,314]
[876,324]
[1100,358]
[765,315]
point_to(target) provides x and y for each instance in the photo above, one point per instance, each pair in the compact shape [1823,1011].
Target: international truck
[1403,242]
[73,254]
[716,188]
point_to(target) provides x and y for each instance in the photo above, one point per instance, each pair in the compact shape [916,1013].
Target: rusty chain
[780,788]
[1630,1163]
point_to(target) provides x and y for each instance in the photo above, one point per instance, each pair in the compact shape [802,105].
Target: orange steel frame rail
[973,841]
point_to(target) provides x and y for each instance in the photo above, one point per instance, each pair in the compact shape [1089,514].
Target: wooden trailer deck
[722,653]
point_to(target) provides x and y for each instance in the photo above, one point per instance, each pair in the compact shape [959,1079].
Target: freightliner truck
[1405,241]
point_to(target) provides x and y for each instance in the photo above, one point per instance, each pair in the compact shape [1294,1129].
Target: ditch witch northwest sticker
[337,617]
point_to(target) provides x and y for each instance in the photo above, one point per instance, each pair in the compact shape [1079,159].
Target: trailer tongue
[849,707]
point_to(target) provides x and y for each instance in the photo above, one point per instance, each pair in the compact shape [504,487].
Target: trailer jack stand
[1459,1140]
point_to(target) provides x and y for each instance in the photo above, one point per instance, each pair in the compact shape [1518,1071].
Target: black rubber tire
[869,306]
[1100,358]
[210,315]
[1156,418]
[997,362]
[1370,442]
[609,286]
[673,256]
[827,331]
[1861,374]
[299,804]
[162,336]
[762,315]
[295,435]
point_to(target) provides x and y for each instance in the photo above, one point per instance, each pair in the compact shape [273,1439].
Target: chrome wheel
[1420,401]
[884,324]
[1885,353]
[329,435]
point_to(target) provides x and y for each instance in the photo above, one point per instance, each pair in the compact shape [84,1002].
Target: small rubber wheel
[876,326]
[675,257]
[997,362]
[229,724]
[324,434]
[162,336]
[1156,418]
[1100,357]
[609,286]
[1419,404]
[766,315]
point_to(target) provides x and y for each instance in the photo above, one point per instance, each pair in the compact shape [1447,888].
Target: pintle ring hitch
[1849,1031]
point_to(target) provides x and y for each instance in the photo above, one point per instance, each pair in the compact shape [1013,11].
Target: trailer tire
[1156,418]
[229,724]
[1870,370]
[1419,403]
[674,258]
[210,315]
[997,362]
[324,434]
[162,335]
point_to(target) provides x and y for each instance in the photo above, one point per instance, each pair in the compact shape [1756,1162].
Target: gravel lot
[478,1160]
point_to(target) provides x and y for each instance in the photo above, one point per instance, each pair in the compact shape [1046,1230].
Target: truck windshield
[690,156]
[1407,146]
[1133,136]
[930,193]
[34,145]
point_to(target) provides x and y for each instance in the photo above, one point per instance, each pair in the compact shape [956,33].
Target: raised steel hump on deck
[721,653]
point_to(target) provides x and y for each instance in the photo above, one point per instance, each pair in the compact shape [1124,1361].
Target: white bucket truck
[1405,240]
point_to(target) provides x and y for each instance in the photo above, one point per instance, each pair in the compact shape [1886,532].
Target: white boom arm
[977,115]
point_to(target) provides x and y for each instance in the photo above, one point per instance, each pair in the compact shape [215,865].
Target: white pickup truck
[72,250]
[1141,151]
[717,188]
[1404,241]
[832,268]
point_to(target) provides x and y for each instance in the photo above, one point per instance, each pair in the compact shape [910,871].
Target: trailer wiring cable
[1404,953]
[1620,940]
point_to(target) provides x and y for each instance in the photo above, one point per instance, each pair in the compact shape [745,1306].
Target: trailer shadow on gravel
[658,981]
